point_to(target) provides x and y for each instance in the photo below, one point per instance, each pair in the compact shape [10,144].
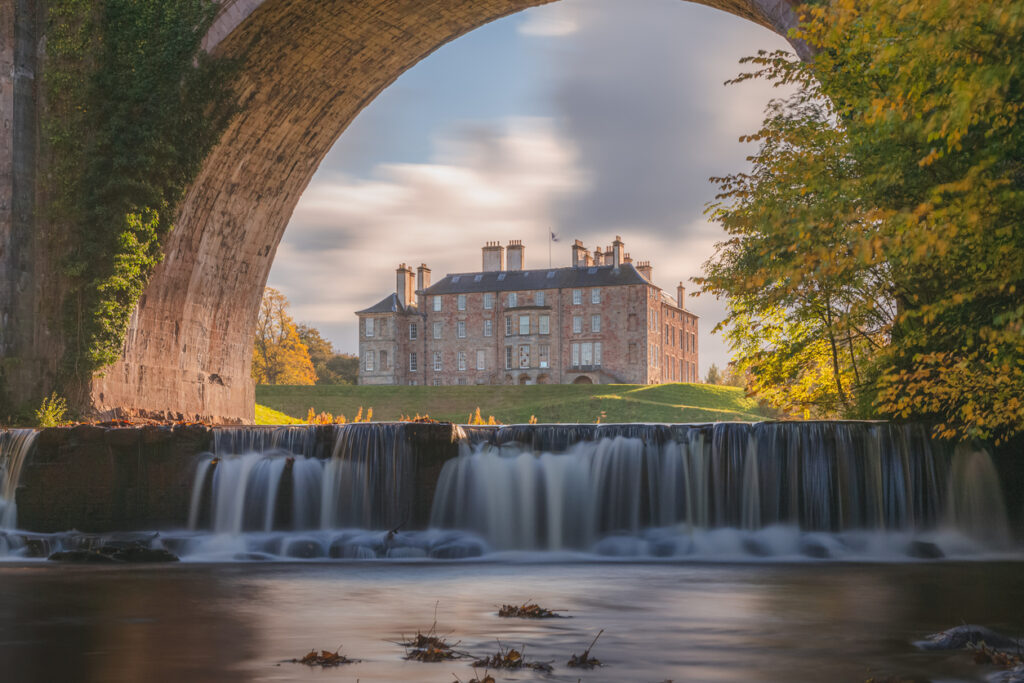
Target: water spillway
[15,445]
[771,487]
[728,491]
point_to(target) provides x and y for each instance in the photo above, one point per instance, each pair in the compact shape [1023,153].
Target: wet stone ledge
[96,479]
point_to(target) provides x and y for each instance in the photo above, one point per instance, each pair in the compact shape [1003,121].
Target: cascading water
[819,489]
[15,445]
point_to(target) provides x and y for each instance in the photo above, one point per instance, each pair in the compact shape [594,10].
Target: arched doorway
[308,69]
[583,379]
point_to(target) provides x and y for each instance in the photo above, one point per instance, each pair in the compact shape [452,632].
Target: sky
[588,118]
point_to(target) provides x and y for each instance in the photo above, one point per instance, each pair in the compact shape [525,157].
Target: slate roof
[545,278]
[389,304]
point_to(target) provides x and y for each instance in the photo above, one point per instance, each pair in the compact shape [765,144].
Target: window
[539,299]
[478,278]
[575,355]
[632,322]
[436,382]
[544,324]
[632,355]
[462,381]
[383,360]
[577,324]
[481,360]
[460,329]
[586,353]
[488,328]
[508,357]
[513,299]
[595,323]
[577,297]
[524,324]
[413,362]
[369,327]
[524,356]
[437,330]
[597,354]
[437,303]
[413,382]
[413,331]
[501,276]
[461,302]
[595,295]
[369,361]
[544,356]
[462,361]
[508,326]
[437,361]
[489,300]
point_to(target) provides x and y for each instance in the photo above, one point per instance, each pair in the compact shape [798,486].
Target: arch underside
[309,69]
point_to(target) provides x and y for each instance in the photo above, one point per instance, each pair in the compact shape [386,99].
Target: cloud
[548,22]
[486,182]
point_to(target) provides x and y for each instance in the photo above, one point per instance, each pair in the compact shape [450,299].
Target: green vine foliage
[134,105]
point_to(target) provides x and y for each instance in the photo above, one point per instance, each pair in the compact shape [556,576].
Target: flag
[554,237]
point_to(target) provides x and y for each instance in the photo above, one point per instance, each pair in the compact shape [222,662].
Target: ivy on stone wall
[133,106]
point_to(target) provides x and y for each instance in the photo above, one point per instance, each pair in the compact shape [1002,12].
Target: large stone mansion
[602,320]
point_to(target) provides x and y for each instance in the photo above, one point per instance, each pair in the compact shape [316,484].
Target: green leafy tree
[279,356]
[894,181]
[331,367]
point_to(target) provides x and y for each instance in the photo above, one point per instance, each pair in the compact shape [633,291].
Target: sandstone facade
[602,320]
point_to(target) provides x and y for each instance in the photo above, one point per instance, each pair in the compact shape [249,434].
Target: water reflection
[681,622]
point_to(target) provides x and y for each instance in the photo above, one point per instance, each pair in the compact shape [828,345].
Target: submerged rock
[959,637]
[110,554]
[923,550]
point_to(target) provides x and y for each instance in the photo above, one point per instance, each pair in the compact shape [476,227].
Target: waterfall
[568,487]
[263,479]
[15,446]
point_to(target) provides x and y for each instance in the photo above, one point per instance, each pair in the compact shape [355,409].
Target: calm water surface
[805,622]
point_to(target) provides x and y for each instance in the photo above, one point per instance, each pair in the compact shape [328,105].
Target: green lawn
[513,404]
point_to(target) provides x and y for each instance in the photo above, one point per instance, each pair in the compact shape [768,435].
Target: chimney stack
[579,258]
[626,258]
[644,267]
[494,257]
[422,283]
[516,254]
[681,295]
[617,247]
[404,285]
[598,256]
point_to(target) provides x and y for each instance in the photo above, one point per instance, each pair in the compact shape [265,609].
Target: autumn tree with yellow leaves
[875,255]
[279,356]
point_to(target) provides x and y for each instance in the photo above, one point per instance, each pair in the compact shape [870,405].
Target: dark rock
[152,434]
[88,433]
[53,437]
[36,547]
[960,637]
[305,549]
[756,548]
[82,557]
[924,550]
[126,437]
[814,548]
[119,553]
[457,551]
[137,553]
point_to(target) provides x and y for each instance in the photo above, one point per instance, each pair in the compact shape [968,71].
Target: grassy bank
[512,404]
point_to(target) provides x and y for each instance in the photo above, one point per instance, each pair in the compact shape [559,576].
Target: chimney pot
[516,255]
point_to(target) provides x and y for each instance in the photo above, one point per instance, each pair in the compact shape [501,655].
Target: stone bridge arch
[309,69]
